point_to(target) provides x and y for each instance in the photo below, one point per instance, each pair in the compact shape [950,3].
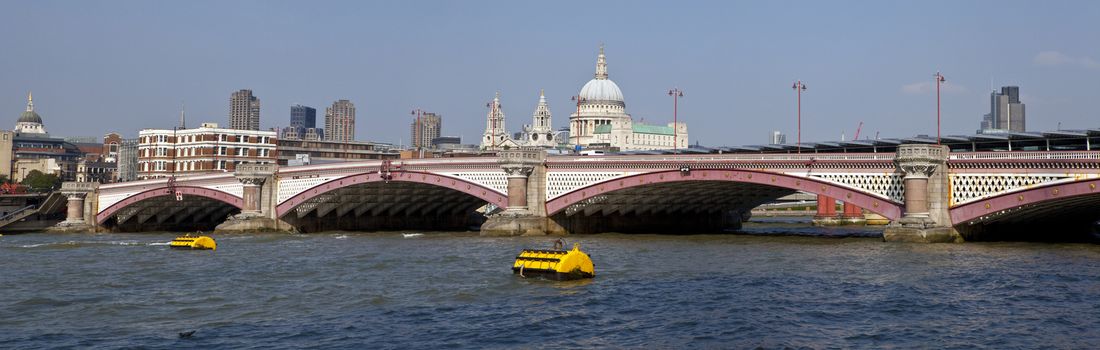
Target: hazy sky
[101,66]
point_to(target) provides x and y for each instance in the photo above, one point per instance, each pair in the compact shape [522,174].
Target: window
[242,152]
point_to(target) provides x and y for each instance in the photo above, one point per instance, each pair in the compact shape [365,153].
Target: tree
[36,180]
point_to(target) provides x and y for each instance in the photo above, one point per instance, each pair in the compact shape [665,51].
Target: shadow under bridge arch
[405,200]
[692,200]
[176,208]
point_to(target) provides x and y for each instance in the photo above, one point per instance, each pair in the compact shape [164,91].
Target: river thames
[775,286]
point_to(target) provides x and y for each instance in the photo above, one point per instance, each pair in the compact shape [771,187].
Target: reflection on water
[775,284]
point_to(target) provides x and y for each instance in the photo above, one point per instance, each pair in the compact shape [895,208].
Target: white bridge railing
[805,157]
[1026,155]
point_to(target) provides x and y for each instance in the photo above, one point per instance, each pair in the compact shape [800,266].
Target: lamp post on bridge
[939,81]
[799,87]
[676,94]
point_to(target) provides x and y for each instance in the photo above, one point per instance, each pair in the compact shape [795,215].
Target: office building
[778,138]
[431,125]
[127,160]
[1006,112]
[301,118]
[340,122]
[244,111]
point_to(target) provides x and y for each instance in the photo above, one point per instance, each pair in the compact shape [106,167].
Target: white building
[30,122]
[541,131]
[496,136]
[601,119]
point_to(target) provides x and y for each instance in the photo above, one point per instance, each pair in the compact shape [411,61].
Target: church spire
[601,65]
[30,102]
[183,119]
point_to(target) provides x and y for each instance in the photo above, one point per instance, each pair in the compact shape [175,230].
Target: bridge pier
[80,213]
[926,218]
[826,212]
[258,212]
[526,211]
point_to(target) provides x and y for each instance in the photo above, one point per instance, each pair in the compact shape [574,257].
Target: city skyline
[735,62]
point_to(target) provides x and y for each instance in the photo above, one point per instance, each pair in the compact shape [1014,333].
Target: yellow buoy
[193,242]
[554,264]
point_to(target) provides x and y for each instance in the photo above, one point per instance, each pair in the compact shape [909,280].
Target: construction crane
[860,127]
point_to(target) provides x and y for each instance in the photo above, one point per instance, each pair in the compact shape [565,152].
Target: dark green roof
[30,117]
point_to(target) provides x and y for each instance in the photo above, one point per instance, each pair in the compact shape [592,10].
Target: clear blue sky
[101,66]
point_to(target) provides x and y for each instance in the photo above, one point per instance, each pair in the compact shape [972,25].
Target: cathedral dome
[30,117]
[601,90]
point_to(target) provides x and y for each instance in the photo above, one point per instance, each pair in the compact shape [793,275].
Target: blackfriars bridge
[929,194]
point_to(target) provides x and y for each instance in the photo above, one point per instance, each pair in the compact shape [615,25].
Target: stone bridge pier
[926,218]
[258,213]
[80,207]
[526,211]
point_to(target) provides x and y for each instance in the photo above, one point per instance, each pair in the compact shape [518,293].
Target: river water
[777,286]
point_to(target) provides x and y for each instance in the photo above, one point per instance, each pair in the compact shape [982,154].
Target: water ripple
[813,289]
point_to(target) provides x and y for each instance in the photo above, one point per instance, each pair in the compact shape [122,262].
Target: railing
[1026,155]
[5,218]
[805,157]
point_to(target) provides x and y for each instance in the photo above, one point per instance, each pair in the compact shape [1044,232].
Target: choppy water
[831,288]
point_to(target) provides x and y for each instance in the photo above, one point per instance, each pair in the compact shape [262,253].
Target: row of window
[195,151]
[161,165]
[201,138]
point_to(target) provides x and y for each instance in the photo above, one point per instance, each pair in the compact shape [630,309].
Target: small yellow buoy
[193,242]
[554,264]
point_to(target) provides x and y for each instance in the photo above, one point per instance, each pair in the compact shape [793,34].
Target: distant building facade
[1006,112]
[244,111]
[430,128]
[111,143]
[302,118]
[300,152]
[127,160]
[163,153]
[340,122]
[7,152]
[778,138]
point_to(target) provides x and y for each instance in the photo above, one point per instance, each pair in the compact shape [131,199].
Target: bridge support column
[826,212]
[926,218]
[852,215]
[526,211]
[78,216]
[257,180]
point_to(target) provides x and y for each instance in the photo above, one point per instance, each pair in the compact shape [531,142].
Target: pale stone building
[601,119]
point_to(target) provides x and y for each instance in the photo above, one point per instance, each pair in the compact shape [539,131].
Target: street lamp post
[799,87]
[676,94]
[939,81]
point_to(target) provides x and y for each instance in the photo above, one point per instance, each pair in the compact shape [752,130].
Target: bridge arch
[887,208]
[216,195]
[1059,201]
[476,190]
